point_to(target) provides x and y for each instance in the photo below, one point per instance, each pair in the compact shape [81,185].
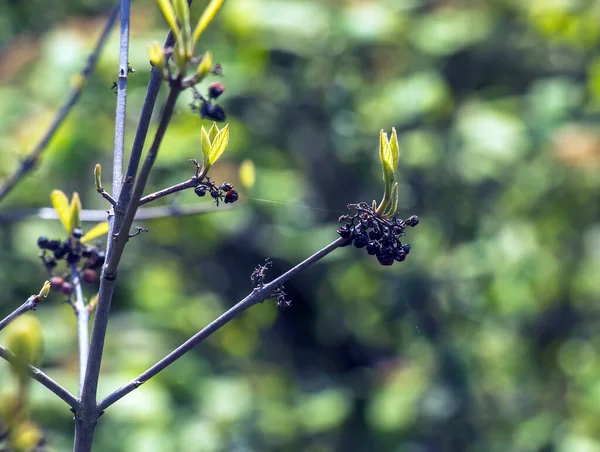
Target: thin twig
[83,317]
[30,161]
[257,296]
[170,190]
[109,198]
[119,144]
[41,377]
[29,305]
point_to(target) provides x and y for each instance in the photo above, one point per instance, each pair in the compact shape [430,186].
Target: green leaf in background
[183,13]
[212,133]
[206,18]
[169,14]
[60,202]
[97,231]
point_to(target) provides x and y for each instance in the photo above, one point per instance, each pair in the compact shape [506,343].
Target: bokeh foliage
[486,339]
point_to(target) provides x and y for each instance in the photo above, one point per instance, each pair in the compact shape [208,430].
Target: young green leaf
[60,202]
[183,13]
[98,177]
[169,13]
[218,145]
[156,53]
[206,18]
[97,231]
[205,140]
[395,149]
[75,210]
[204,67]
[212,133]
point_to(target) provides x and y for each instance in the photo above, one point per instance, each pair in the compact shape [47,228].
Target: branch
[87,414]
[41,377]
[30,161]
[195,180]
[257,296]
[83,316]
[119,143]
[29,305]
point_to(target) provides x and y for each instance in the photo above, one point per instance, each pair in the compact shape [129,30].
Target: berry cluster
[87,259]
[204,106]
[223,192]
[380,236]
[258,279]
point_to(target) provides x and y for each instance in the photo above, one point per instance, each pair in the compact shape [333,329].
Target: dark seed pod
[226,186]
[385,258]
[56,282]
[214,112]
[375,233]
[373,247]
[87,252]
[231,197]
[66,288]
[52,245]
[62,251]
[43,242]
[215,90]
[200,190]
[412,221]
[89,276]
[73,258]
[77,233]
[345,231]
[399,254]
[214,193]
[361,240]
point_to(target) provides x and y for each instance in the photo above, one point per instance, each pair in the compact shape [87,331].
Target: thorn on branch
[138,231]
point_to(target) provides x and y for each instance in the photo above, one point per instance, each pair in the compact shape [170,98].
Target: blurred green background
[486,339]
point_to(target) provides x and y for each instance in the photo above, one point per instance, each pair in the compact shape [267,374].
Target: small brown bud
[56,282]
[89,276]
[66,288]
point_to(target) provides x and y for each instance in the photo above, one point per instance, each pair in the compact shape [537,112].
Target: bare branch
[191,183]
[83,317]
[257,296]
[30,161]
[29,305]
[41,377]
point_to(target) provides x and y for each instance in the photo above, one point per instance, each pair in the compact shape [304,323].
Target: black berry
[361,240]
[373,247]
[200,190]
[43,242]
[231,196]
[215,90]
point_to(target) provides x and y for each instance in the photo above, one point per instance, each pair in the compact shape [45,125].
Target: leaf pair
[389,155]
[214,143]
[69,215]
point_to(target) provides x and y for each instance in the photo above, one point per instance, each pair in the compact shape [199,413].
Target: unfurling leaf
[247,173]
[205,141]
[204,66]
[169,14]
[45,291]
[182,11]
[212,133]
[218,145]
[207,17]
[60,202]
[97,231]
[156,53]
[97,177]
[395,149]
[75,210]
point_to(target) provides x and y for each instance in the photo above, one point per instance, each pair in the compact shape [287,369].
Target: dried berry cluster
[87,259]
[380,236]
[204,106]
[258,279]
[223,192]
